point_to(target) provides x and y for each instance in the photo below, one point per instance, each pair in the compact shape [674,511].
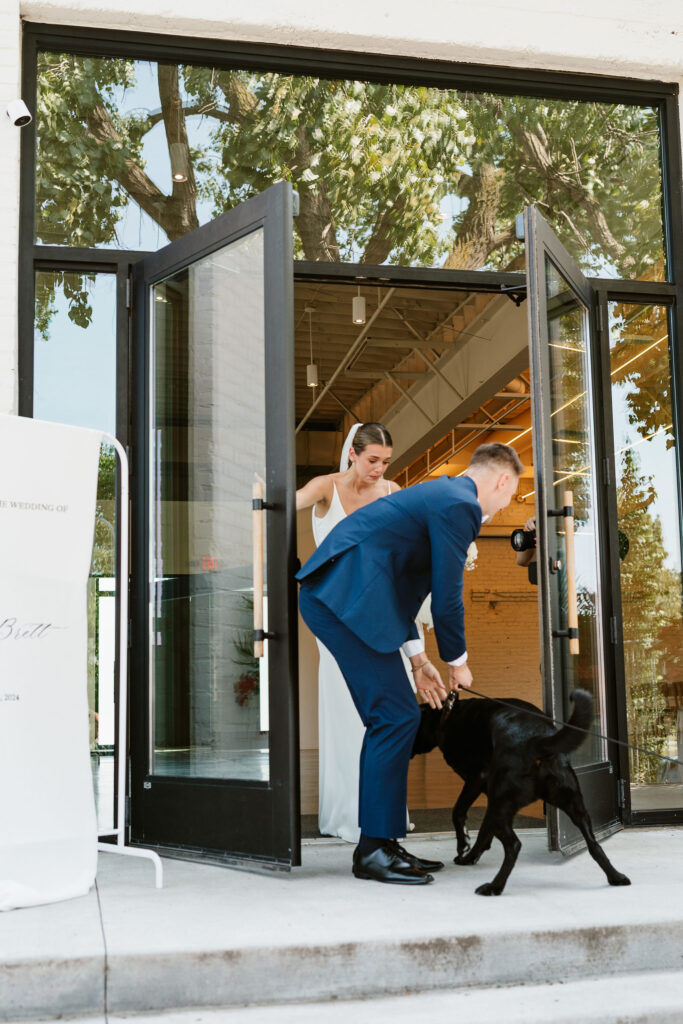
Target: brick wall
[501,620]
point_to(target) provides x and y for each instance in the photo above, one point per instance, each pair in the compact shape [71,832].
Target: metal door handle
[572,631]
[258,506]
[570,556]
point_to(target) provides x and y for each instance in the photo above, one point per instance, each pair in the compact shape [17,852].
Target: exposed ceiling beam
[354,350]
[406,394]
[379,374]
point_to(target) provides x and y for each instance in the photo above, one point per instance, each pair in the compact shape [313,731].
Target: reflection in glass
[649,548]
[74,358]
[574,470]
[134,154]
[207,441]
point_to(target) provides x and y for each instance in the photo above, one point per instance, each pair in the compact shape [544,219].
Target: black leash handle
[453,696]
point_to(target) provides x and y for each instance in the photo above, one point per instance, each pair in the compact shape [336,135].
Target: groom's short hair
[498,455]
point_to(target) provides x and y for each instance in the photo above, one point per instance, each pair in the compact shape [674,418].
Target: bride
[364,460]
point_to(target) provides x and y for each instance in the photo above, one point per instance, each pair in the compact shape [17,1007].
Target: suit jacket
[375,568]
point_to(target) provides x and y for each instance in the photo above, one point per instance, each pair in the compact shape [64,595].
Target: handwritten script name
[12,629]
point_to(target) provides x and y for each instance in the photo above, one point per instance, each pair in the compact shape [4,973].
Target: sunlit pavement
[220,938]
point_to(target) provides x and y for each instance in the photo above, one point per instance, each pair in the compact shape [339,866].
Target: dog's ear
[426,734]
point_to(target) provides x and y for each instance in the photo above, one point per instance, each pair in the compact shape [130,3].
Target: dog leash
[454,695]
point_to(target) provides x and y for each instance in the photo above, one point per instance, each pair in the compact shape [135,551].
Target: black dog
[514,758]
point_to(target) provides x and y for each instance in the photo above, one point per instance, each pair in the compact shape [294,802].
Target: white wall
[10,74]
[615,37]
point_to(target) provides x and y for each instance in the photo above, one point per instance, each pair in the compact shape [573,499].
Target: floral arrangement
[244,687]
[472,555]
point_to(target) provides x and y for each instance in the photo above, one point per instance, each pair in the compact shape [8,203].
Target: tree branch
[183,210]
[315,222]
[477,237]
[380,242]
[129,174]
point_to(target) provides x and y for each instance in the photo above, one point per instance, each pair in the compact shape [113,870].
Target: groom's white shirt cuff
[459,661]
[412,647]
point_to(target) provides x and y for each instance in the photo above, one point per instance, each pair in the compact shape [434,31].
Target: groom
[360,592]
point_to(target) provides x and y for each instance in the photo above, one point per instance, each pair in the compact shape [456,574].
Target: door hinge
[613,630]
[127,293]
[621,794]
[607,472]
[601,318]
[296,204]
[127,810]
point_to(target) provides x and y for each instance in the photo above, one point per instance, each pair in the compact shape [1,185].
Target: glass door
[215,425]
[570,499]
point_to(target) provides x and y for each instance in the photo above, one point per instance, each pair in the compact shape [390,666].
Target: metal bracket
[565,512]
[570,634]
[516,292]
[259,505]
[262,634]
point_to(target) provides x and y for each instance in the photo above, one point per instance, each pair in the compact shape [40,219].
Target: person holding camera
[524,543]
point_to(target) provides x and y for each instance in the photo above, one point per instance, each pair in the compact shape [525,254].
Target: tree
[375,164]
[640,361]
[651,606]
[104,543]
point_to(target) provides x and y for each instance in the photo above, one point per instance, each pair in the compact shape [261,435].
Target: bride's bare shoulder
[317,491]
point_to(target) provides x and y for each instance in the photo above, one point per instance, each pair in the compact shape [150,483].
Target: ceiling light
[311,369]
[358,308]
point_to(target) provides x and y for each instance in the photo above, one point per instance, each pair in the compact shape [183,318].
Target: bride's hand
[429,684]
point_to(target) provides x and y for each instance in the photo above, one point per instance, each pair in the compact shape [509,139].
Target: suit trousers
[381,691]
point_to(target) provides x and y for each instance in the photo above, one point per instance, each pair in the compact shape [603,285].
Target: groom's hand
[459,676]
[429,683]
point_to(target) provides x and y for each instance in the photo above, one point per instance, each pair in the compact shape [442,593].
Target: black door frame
[599,780]
[262,818]
[371,67]
[618,721]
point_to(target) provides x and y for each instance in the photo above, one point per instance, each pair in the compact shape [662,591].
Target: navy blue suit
[360,592]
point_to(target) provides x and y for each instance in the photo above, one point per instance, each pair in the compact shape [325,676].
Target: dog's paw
[488,889]
[618,879]
[464,858]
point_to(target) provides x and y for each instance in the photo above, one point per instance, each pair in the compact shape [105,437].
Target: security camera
[18,113]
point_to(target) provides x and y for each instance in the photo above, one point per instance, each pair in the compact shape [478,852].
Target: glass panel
[208,440]
[135,154]
[571,417]
[649,549]
[74,358]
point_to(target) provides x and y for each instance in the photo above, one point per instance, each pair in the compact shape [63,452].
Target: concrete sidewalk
[219,938]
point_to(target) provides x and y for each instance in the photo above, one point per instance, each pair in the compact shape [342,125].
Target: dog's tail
[571,735]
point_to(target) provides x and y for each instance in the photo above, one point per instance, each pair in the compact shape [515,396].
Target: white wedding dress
[340,730]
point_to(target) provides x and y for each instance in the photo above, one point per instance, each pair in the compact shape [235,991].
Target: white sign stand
[121,750]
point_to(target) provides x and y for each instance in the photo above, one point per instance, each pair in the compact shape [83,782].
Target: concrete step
[218,938]
[647,998]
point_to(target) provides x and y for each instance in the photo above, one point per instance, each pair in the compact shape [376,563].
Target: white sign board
[48,487]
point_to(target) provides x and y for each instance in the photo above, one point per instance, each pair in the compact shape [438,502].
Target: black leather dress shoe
[386,865]
[417,862]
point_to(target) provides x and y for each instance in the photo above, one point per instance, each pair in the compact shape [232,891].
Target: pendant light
[179,168]
[311,369]
[358,308]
